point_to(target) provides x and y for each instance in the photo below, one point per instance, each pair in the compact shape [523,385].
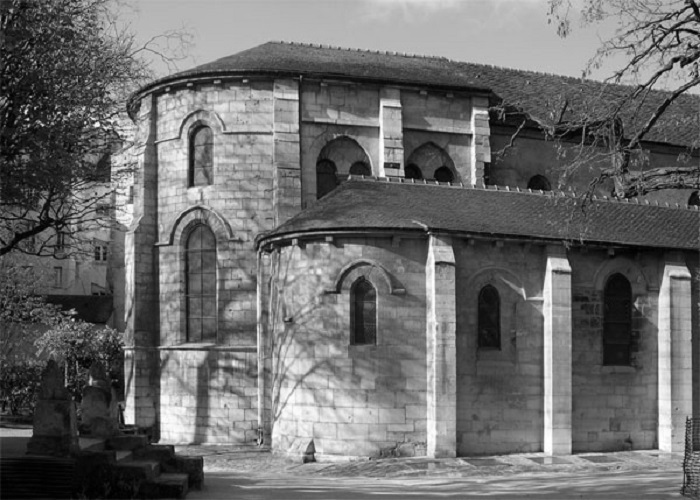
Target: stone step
[167,485]
[192,466]
[129,477]
[127,442]
[160,452]
[37,477]
[123,455]
[142,470]
[91,444]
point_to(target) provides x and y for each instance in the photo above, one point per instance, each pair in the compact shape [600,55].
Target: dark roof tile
[361,205]
[537,94]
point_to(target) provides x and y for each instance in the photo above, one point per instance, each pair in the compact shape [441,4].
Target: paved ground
[249,473]
[243,473]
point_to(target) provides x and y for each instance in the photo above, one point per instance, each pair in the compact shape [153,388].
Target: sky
[508,33]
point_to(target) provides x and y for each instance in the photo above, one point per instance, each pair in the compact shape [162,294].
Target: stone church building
[361,252]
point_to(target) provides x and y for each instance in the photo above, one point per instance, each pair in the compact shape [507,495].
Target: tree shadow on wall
[202,386]
[294,334]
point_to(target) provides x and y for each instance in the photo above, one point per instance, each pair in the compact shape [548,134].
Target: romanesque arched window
[694,199]
[617,321]
[360,168]
[363,313]
[489,318]
[444,174]
[200,285]
[326,178]
[201,157]
[413,172]
[430,161]
[539,183]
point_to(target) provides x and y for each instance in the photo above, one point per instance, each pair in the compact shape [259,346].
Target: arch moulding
[199,214]
[375,273]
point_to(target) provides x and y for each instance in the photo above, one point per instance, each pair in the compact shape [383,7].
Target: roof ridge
[414,55]
[367,51]
[444,58]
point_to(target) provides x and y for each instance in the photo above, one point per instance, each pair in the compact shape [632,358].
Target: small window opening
[444,174]
[364,312]
[413,172]
[617,321]
[489,318]
[201,168]
[360,168]
[326,178]
[539,183]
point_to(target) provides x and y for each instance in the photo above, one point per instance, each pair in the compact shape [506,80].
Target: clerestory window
[326,178]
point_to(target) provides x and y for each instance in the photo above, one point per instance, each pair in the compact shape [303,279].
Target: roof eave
[188,77]
[264,240]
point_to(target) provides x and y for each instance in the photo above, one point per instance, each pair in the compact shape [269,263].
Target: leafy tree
[66,69]
[24,313]
[659,42]
[77,345]
[28,323]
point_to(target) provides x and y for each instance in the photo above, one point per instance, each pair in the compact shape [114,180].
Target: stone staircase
[128,466]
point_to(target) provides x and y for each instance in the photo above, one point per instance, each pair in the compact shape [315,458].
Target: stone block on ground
[129,442]
[193,467]
[55,424]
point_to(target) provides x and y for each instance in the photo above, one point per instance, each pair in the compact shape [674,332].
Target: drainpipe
[261,355]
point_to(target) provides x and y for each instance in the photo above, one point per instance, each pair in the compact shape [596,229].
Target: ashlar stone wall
[353,400]
[614,407]
[499,391]
[207,392]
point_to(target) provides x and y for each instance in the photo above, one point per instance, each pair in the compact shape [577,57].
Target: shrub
[19,383]
[77,345]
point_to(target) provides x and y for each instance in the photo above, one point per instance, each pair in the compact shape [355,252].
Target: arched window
[413,172]
[617,321]
[326,179]
[360,168]
[200,291]
[539,183]
[694,199]
[489,318]
[201,167]
[363,304]
[444,174]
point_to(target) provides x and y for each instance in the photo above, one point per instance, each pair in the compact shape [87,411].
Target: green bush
[19,383]
[77,345]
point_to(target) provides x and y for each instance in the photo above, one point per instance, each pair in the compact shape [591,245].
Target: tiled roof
[538,94]
[368,204]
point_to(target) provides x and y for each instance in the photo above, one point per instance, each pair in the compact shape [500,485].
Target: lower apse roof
[400,205]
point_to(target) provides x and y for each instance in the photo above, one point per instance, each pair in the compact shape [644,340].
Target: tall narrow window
[617,321]
[57,277]
[363,298]
[489,318]
[200,255]
[326,179]
[201,168]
